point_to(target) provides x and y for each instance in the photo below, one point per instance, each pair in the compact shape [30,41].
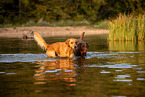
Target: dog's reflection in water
[59,69]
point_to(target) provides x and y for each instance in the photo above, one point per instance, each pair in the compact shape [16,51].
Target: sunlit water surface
[110,69]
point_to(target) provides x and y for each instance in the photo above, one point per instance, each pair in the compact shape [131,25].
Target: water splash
[10,58]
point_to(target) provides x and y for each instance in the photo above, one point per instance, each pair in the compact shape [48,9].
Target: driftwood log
[28,34]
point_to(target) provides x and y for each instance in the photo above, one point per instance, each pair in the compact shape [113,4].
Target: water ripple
[109,54]
[121,65]
[140,79]
[125,80]
[103,71]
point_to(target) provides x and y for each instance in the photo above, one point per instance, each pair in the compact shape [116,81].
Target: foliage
[49,10]
[112,8]
[22,11]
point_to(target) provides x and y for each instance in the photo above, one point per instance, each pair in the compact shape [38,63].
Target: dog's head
[71,42]
[82,48]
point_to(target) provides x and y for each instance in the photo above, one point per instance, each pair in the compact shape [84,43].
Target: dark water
[110,69]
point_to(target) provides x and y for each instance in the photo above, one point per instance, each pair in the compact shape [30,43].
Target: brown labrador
[82,47]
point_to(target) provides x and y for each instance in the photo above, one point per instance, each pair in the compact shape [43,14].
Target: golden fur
[62,49]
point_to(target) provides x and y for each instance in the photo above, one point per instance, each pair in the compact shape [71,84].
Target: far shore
[51,31]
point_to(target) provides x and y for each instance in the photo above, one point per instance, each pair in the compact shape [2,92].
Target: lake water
[110,69]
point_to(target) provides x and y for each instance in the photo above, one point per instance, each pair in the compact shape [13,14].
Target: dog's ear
[82,36]
[67,42]
[80,45]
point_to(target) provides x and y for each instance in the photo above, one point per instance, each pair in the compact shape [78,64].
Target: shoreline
[51,31]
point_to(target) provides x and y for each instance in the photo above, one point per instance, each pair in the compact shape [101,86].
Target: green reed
[141,27]
[127,27]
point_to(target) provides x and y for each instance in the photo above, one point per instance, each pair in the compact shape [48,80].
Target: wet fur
[62,49]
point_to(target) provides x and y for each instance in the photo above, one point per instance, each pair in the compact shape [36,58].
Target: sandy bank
[51,31]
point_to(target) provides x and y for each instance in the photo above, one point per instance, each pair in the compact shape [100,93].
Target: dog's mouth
[83,53]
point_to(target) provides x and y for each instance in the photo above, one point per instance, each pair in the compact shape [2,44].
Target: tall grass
[127,27]
[141,27]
